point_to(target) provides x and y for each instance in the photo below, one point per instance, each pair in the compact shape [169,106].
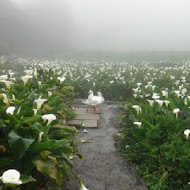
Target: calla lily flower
[13,97]
[176,112]
[160,102]
[50,93]
[10,110]
[49,117]
[166,102]
[35,111]
[82,186]
[177,93]
[11,176]
[61,79]
[39,83]
[40,136]
[165,93]
[26,78]
[39,102]
[5,99]
[138,123]
[85,131]
[185,101]
[151,102]
[187,133]
[155,96]
[139,84]
[136,90]
[4,77]
[7,83]
[29,72]
[137,108]
[11,73]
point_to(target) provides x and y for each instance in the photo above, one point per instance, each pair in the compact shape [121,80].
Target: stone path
[102,167]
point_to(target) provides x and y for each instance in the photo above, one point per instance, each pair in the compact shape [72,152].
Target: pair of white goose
[94,101]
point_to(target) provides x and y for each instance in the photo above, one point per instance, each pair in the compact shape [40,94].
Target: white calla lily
[166,102]
[7,83]
[85,131]
[176,112]
[40,136]
[61,79]
[187,133]
[10,110]
[82,186]
[165,93]
[177,93]
[138,123]
[139,84]
[137,108]
[5,99]
[29,72]
[49,118]
[50,93]
[155,96]
[35,111]
[26,78]
[151,102]
[160,102]
[39,102]
[11,176]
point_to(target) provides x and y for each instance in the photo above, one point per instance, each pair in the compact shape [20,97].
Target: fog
[58,26]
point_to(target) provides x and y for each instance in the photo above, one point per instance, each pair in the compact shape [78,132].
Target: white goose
[94,101]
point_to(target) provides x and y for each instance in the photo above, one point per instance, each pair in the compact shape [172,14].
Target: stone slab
[88,110]
[90,123]
[74,122]
[80,110]
[91,110]
[87,117]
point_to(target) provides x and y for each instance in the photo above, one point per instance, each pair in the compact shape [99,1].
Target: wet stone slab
[85,116]
[90,123]
[87,110]
[75,122]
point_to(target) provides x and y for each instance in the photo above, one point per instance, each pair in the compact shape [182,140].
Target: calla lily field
[35,141]
[36,101]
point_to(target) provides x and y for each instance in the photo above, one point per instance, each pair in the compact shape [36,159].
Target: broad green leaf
[26,179]
[48,168]
[5,161]
[48,145]
[18,145]
[31,119]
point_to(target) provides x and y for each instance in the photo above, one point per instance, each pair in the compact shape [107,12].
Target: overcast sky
[111,25]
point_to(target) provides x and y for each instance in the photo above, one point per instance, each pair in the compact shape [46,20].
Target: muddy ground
[103,168]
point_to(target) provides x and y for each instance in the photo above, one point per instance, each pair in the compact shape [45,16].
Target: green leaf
[40,146]
[5,161]
[26,179]
[31,119]
[18,145]
[48,145]
[48,168]
[164,177]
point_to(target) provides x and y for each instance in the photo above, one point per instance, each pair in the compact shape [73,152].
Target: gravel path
[102,167]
